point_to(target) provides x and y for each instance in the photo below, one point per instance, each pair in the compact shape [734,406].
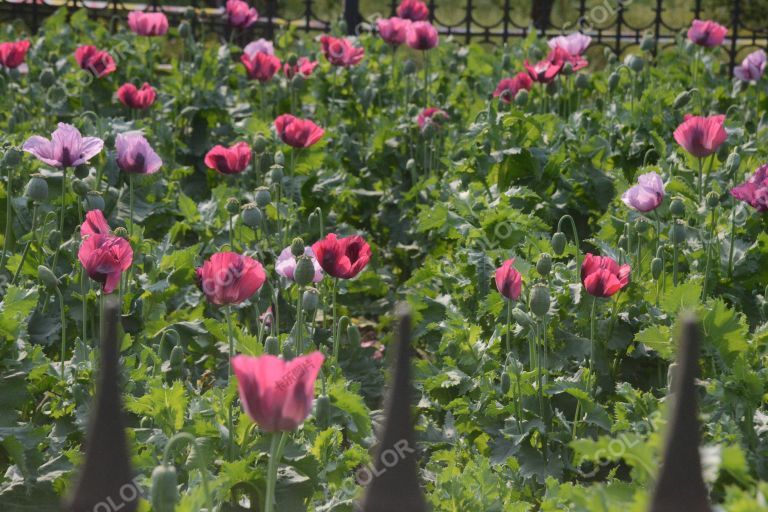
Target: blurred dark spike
[680,485]
[105,481]
[394,484]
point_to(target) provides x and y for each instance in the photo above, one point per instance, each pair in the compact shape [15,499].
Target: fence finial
[105,481]
[395,484]
[680,485]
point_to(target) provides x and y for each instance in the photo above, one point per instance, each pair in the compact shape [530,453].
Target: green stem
[701,180]
[63,330]
[575,239]
[592,338]
[333,325]
[130,204]
[8,220]
[299,312]
[426,79]
[231,235]
[733,234]
[275,454]
[674,262]
[231,336]
[509,322]
[184,436]
[61,214]
[713,222]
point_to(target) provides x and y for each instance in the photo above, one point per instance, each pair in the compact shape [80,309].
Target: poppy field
[545,210]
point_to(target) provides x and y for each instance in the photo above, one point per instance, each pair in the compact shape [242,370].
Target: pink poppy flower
[342,257]
[97,62]
[260,66]
[232,160]
[135,155]
[12,54]
[138,99]
[431,116]
[575,43]
[755,191]
[303,67]
[509,282]
[297,133]
[602,276]
[509,87]
[544,71]
[647,195]
[707,33]
[67,148]
[340,52]
[94,224]
[393,30]
[230,278]
[105,258]
[422,35]
[148,23]
[240,14]
[701,136]
[414,10]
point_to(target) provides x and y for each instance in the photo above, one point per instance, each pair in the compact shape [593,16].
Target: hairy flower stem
[674,261]
[8,219]
[592,341]
[733,234]
[63,330]
[334,326]
[275,454]
[230,405]
[509,325]
[701,180]
[61,215]
[299,320]
[713,223]
[185,436]
[130,205]
[426,79]
[576,240]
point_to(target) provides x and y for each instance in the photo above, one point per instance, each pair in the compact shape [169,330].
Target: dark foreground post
[395,484]
[680,485]
[105,483]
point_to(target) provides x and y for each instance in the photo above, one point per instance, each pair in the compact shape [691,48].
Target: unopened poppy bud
[47,277]
[323,411]
[94,201]
[682,100]
[298,81]
[353,333]
[552,88]
[656,267]
[310,299]
[505,61]
[12,157]
[539,302]
[343,324]
[677,233]
[732,163]
[568,69]
[648,43]
[544,264]
[635,63]
[313,219]
[272,345]
[506,383]
[185,30]
[82,171]
[259,143]
[582,81]
[121,232]
[262,196]
[677,208]
[54,238]
[305,270]
[558,243]
[80,187]
[297,247]
[521,98]
[251,215]
[521,317]
[164,488]
[713,199]
[177,357]
[613,81]
[233,206]
[289,350]
[279,158]
[47,78]
[410,165]
[37,189]
[409,67]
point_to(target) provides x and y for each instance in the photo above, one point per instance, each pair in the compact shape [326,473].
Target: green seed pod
[582,81]
[409,67]
[677,233]
[47,77]
[164,490]
[304,272]
[259,143]
[37,189]
[272,345]
[121,232]
[648,43]
[732,163]
[12,158]
[613,81]
[521,98]
[177,356]
[656,268]
[251,215]
[310,299]
[82,172]
[539,302]
[262,196]
[567,69]
[677,208]
[713,199]
[641,226]
[289,350]
[635,63]
[94,201]
[506,383]
[558,243]
[185,29]
[276,173]
[323,411]
[54,238]
[353,333]
[552,88]
[682,100]
[233,206]
[544,264]
[297,247]
[47,277]
[80,187]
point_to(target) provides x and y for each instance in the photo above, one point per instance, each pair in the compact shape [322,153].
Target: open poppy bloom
[575,43]
[561,56]
[240,14]
[342,257]
[135,98]
[260,66]
[647,195]
[544,71]
[509,87]
[701,136]
[230,278]
[422,35]
[67,148]
[752,67]
[12,54]
[277,394]
[297,133]
[707,33]
[232,160]
[509,282]
[430,117]
[94,224]
[148,23]
[414,10]
[602,276]
[135,155]
[105,257]
[303,67]
[393,30]
[755,191]
[260,45]
[97,62]
[340,52]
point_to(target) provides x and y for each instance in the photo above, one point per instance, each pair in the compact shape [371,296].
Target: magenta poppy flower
[277,394]
[303,67]
[509,87]
[12,54]
[422,35]
[647,195]
[148,23]
[135,155]
[230,278]
[414,10]
[232,160]
[342,257]
[97,62]
[755,191]
[94,224]
[602,276]
[340,52]
[431,116]
[259,46]
[701,136]
[544,71]
[297,133]
[104,258]
[509,282]
[67,148]
[707,33]
[575,43]
[135,98]
[393,30]
[260,66]
[752,67]
[286,264]
[240,14]
[561,56]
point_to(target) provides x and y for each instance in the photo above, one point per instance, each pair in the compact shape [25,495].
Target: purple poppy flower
[754,191]
[752,67]
[575,43]
[647,195]
[259,46]
[135,155]
[286,264]
[67,147]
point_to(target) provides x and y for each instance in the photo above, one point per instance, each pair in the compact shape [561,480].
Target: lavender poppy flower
[67,147]
[575,43]
[259,46]
[286,264]
[647,195]
[752,67]
[135,155]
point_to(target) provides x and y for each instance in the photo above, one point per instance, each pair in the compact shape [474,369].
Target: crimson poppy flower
[94,224]
[509,87]
[297,133]
[342,257]
[509,282]
[230,278]
[414,10]
[232,160]
[755,191]
[422,35]
[393,30]
[105,257]
[707,33]
[135,98]
[97,62]
[303,67]
[602,276]
[340,52]
[260,66]
[12,54]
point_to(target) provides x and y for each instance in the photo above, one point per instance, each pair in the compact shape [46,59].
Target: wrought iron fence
[618,25]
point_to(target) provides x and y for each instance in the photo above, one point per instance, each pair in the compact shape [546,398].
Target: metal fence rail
[609,22]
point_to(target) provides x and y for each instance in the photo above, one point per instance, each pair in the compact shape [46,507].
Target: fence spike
[394,481]
[680,485]
[105,481]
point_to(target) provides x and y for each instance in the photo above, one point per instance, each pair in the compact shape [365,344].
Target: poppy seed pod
[310,299]
[305,269]
[12,158]
[164,490]
[677,233]
[81,172]
[54,238]
[558,243]
[94,201]
[276,173]
[353,333]
[272,345]
[47,78]
[251,215]
[279,158]
[635,63]
[648,43]
[259,143]
[613,81]
[544,264]
[677,208]
[713,199]
[262,196]
[732,163]
[582,81]
[567,69]
[289,350]
[521,98]
[185,30]
[656,268]
[37,189]
[80,187]
[539,301]
[297,247]
[47,277]
[121,232]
